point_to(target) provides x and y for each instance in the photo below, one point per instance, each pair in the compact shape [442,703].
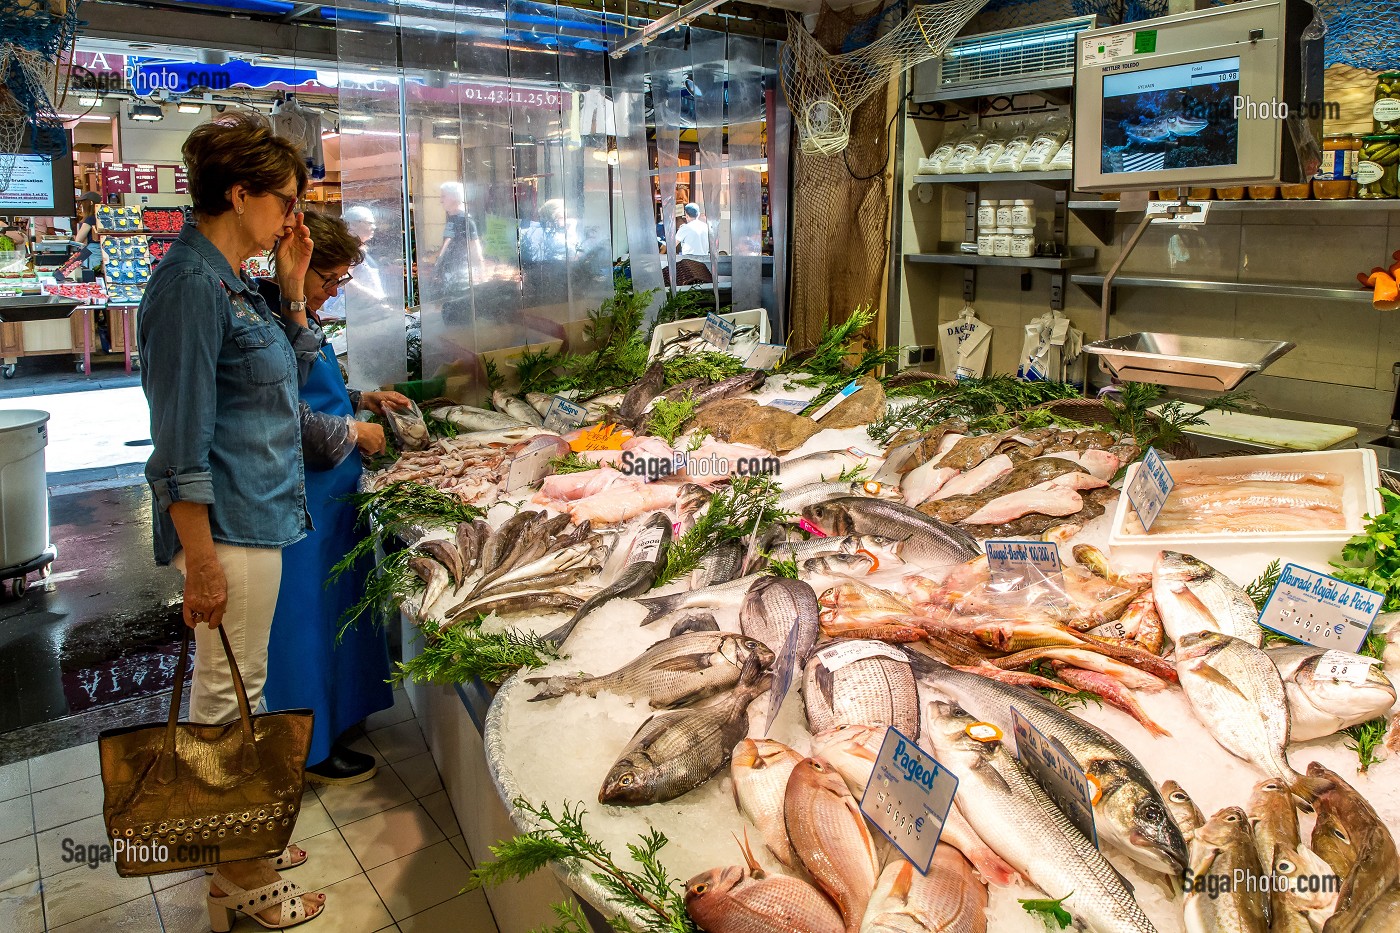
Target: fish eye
[750,643]
[1232,818]
[1272,785]
[701,888]
[626,779]
[1285,866]
[1340,835]
[1150,811]
[1179,797]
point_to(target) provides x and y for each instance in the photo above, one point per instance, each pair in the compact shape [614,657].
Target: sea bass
[674,753]
[925,541]
[1226,895]
[1014,816]
[760,770]
[517,408]
[645,558]
[1320,704]
[949,899]
[829,835]
[469,418]
[719,596]
[1353,840]
[673,672]
[1193,596]
[1236,692]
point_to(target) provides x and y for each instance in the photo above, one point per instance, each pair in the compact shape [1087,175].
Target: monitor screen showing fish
[1181,116]
[1225,96]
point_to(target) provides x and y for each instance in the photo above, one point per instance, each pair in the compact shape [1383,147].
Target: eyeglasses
[330,282]
[289,202]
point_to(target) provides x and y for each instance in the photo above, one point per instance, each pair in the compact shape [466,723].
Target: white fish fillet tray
[1243,556]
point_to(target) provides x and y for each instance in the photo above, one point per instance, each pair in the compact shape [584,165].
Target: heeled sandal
[222,909]
[283,862]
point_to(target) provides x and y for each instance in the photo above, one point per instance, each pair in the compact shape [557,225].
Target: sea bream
[1321,703]
[760,770]
[748,900]
[860,683]
[1192,596]
[947,899]
[830,836]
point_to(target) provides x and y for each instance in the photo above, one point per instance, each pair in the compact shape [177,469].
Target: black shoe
[343,766]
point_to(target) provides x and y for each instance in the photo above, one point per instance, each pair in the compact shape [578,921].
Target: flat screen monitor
[1179,116]
[40,185]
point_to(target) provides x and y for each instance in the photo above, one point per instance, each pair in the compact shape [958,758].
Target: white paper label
[717,331]
[765,356]
[647,545]
[794,405]
[1197,216]
[851,388]
[1107,48]
[1114,629]
[563,416]
[1368,173]
[834,657]
[1150,487]
[532,464]
[1386,110]
[1057,773]
[908,798]
[1321,610]
[1023,561]
[1344,666]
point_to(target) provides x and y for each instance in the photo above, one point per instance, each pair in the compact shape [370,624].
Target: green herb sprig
[1371,559]
[462,652]
[1365,739]
[777,567]
[994,403]
[1259,589]
[1132,413]
[706,364]
[731,514]
[1050,911]
[395,508]
[668,417]
[649,893]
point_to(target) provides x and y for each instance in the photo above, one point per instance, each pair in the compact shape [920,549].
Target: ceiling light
[89,102]
[146,112]
[190,107]
[451,132]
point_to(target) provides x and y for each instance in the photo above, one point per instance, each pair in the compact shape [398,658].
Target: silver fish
[860,683]
[1192,596]
[855,565]
[783,614]
[539,401]
[1013,815]
[1236,692]
[645,560]
[674,753]
[949,899]
[797,498]
[924,540]
[1130,812]
[720,565]
[720,596]
[695,620]
[1320,704]
[760,769]
[673,672]
[822,467]
[470,418]
[517,408]
[1226,893]
[600,407]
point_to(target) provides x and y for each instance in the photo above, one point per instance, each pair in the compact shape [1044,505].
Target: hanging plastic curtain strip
[668,67]
[709,71]
[634,164]
[372,204]
[746,84]
[778,153]
[587,194]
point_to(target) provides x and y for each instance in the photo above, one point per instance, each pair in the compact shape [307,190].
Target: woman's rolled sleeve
[182,331]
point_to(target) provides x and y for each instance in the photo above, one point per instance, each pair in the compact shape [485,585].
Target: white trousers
[254,575]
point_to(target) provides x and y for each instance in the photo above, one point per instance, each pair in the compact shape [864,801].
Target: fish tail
[554,687]
[658,606]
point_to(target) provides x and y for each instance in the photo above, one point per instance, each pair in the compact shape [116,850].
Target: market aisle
[92,431]
[389,852]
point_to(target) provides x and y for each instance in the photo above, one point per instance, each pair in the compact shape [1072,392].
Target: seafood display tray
[756,317]
[1244,555]
[37,308]
[1210,363]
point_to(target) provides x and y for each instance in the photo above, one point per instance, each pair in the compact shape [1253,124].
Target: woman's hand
[294,258]
[369,437]
[376,401]
[206,592]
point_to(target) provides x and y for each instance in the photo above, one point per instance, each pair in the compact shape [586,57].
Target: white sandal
[289,894]
[282,862]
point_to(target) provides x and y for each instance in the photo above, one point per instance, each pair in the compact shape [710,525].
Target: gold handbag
[182,795]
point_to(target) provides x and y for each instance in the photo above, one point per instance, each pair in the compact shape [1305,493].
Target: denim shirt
[220,371]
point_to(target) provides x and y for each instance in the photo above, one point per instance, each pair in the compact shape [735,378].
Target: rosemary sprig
[1132,413]
[571,462]
[494,379]
[1260,588]
[1364,739]
[650,894]
[730,515]
[994,403]
[853,474]
[1080,699]
[535,369]
[668,417]
[707,364]
[397,506]
[462,652]
[386,587]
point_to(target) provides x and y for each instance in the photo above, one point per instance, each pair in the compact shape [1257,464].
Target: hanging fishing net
[33,35]
[824,89]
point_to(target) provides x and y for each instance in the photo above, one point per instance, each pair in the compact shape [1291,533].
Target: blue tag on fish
[717,331]
[908,798]
[563,416]
[1057,773]
[1023,562]
[1320,610]
[1150,487]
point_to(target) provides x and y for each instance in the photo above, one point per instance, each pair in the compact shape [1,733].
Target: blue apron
[306,668]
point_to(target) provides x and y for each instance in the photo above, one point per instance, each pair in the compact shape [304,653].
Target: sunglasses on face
[330,282]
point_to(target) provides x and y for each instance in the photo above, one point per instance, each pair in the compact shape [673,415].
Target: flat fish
[1047,499]
[977,478]
[971,451]
[860,683]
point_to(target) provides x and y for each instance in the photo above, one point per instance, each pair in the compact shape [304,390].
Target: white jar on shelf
[985,238]
[986,214]
[1022,243]
[1004,209]
[1023,213]
[1001,242]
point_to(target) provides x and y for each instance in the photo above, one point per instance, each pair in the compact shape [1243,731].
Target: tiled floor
[388,852]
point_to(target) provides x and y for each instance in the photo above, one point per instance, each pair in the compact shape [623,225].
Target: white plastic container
[1023,213]
[986,214]
[984,241]
[1022,242]
[758,317]
[1243,556]
[1004,209]
[24,489]
[1001,242]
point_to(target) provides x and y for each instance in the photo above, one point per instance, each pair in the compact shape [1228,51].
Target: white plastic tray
[1243,556]
[757,317]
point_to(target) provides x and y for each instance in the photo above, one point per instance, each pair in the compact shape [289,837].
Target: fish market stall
[707,607]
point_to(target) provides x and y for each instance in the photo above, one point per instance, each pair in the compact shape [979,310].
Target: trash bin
[24,489]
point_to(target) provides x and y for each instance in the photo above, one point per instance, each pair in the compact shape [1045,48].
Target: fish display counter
[707,622]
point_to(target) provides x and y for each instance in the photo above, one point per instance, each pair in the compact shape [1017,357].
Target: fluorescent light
[89,102]
[190,108]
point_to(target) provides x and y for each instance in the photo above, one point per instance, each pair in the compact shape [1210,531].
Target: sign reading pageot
[908,797]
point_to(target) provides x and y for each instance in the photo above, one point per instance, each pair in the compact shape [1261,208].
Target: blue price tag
[908,798]
[717,331]
[1023,562]
[563,416]
[1057,773]
[1150,487]
[1320,610]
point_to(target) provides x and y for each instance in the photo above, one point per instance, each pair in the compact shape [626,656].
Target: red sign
[116,178]
[182,180]
[145,179]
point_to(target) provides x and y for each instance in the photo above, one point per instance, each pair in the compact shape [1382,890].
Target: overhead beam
[222,31]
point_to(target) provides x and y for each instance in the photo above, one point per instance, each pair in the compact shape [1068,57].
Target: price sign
[784,669]
[765,356]
[849,389]
[1150,487]
[647,545]
[908,797]
[1320,610]
[717,331]
[563,416]
[532,464]
[1057,773]
[1023,562]
[1344,666]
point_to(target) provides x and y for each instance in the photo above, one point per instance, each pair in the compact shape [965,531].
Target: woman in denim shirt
[220,369]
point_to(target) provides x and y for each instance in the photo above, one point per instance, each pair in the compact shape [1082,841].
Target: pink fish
[1077,481]
[567,487]
[623,501]
[923,481]
[977,478]
[1100,463]
[1044,499]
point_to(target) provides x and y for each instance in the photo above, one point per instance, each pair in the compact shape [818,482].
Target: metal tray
[14,310]
[1211,363]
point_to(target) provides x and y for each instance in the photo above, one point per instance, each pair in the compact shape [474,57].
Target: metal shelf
[1062,83]
[1216,207]
[1092,285]
[1035,178]
[1079,261]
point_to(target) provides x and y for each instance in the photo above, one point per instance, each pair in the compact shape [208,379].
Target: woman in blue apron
[309,665]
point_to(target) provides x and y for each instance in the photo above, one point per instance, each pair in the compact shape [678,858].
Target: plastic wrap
[992,148]
[1049,139]
[746,113]
[960,162]
[1064,159]
[669,69]
[629,75]
[709,74]
[326,440]
[937,160]
[1017,147]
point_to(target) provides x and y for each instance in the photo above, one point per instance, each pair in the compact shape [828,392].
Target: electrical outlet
[930,354]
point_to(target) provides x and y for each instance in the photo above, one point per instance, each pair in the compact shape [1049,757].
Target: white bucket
[24,491]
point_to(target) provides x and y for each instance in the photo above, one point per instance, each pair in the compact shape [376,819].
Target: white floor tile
[460,844]
[67,803]
[312,820]
[419,774]
[161,882]
[399,741]
[22,909]
[19,862]
[353,906]
[183,908]
[468,911]
[424,879]
[363,745]
[328,860]
[16,818]
[440,808]
[400,711]
[71,764]
[14,780]
[83,892]
[392,834]
[138,916]
[348,803]
[66,847]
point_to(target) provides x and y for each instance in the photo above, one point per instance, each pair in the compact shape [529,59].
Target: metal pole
[677,17]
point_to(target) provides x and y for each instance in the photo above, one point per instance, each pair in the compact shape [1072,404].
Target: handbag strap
[166,770]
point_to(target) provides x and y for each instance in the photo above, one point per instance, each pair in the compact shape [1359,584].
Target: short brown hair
[335,244]
[238,148]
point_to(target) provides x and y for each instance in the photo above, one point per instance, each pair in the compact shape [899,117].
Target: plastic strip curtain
[537,139]
[629,75]
[669,69]
[709,72]
[372,191]
[747,110]
[586,192]
[779,150]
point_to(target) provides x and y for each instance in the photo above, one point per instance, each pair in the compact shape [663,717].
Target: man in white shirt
[693,238]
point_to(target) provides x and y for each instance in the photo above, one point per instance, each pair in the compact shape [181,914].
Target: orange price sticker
[600,437]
